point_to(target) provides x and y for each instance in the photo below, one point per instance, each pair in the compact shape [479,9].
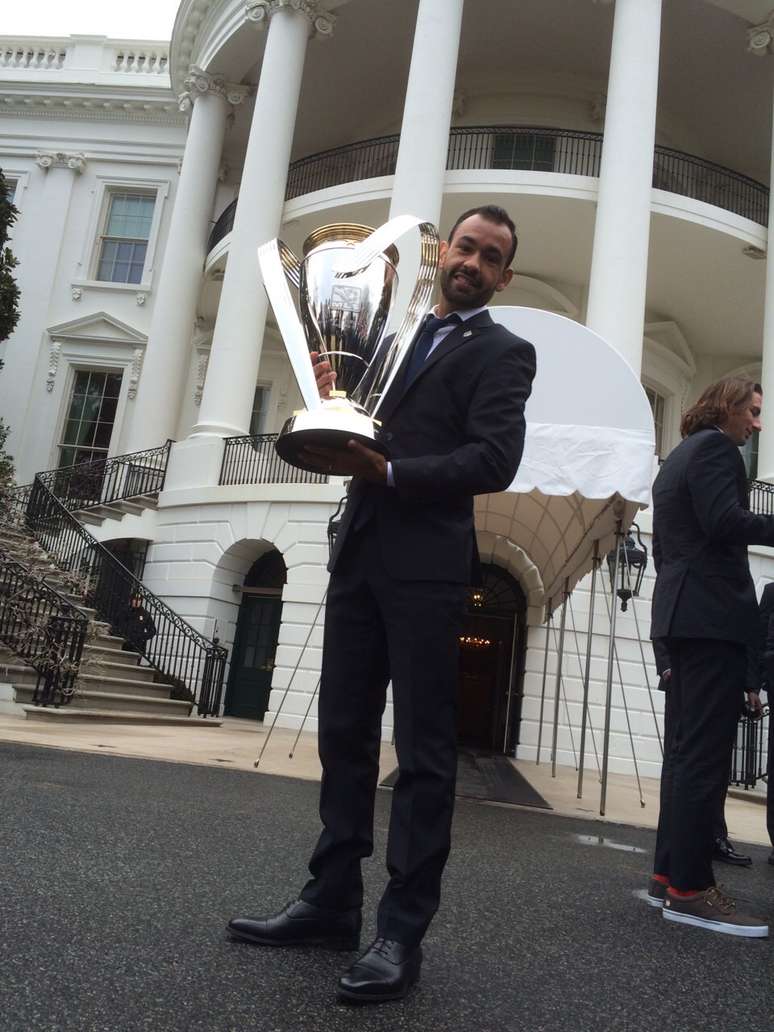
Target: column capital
[59,159]
[199,83]
[760,38]
[321,22]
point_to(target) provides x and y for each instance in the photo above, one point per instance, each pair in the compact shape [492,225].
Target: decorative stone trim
[760,38]
[59,159]
[321,21]
[140,298]
[76,293]
[199,83]
[54,353]
[201,375]
[134,372]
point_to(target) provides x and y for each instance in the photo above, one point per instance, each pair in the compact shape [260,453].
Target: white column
[761,43]
[424,135]
[167,358]
[236,346]
[619,266]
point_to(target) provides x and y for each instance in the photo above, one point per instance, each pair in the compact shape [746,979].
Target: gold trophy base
[336,422]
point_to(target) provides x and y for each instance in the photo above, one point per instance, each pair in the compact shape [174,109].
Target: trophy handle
[278,264]
[373,387]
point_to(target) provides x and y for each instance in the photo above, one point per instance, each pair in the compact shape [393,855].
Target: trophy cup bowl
[344,321]
[346,283]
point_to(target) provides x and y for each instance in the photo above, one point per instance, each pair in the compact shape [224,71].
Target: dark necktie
[423,343]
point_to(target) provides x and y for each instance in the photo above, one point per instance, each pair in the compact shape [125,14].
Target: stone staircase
[95,515]
[114,685]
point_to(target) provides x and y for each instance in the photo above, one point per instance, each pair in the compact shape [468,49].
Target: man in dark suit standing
[405,552]
[705,610]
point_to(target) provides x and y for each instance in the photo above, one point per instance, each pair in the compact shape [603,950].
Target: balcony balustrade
[561,151]
[254,460]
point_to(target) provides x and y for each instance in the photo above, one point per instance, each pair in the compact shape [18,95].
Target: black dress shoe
[725,852]
[301,924]
[386,971]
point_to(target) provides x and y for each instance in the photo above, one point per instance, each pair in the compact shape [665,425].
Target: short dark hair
[493,213]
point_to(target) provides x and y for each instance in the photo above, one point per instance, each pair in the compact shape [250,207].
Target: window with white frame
[123,243]
[10,188]
[91,414]
[658,408]
[260,411]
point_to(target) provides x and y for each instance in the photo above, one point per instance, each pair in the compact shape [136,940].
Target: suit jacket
[701,529]
[457,430]
[766,638]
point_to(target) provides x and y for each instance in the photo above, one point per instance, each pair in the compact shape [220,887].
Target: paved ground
[117,877]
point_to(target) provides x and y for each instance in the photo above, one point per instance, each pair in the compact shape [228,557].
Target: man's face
[473,263]
[744,419]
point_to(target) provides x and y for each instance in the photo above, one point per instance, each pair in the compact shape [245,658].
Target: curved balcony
[526,148]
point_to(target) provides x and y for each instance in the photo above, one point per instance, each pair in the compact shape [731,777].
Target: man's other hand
[323,374]
[355,461]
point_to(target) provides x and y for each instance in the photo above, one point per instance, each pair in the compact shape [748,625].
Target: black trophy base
[291,443]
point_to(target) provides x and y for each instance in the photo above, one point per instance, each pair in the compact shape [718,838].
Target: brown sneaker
[715,911]
[656,893]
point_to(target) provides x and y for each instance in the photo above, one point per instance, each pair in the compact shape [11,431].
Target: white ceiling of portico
[715,97]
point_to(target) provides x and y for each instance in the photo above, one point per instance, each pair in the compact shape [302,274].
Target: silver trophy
[346,283]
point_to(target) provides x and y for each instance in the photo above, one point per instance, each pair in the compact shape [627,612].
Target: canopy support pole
[587,671]
[558,688]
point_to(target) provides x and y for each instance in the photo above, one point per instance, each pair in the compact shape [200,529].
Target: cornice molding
[760,38]
[160,111]
[321,22]
[199,83]
[61,159]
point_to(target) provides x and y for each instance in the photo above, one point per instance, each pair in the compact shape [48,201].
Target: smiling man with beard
[404,558]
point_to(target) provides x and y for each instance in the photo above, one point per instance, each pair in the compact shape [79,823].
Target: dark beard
[477,299]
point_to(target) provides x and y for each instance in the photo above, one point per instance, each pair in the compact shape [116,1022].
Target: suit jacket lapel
[467,331]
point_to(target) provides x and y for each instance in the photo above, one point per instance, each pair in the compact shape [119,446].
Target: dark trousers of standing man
[702,710]
[379,629]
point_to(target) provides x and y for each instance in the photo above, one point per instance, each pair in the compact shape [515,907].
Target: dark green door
[252,659]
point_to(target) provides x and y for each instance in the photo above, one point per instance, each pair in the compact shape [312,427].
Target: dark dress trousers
[400,571]
[705,609]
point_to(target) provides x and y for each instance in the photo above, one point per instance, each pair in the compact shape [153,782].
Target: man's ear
[506,278]
[443,250]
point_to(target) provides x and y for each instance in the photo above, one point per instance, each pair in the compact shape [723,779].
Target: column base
[217,430]
[195,462]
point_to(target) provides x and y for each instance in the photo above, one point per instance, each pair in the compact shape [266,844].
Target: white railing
[42,56]
[142,60]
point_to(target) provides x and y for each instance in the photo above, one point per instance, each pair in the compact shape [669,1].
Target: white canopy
[588,458]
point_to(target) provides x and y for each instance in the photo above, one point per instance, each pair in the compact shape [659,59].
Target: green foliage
[9,292]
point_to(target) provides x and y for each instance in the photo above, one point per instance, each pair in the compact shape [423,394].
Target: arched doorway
[492,652]
[255,641]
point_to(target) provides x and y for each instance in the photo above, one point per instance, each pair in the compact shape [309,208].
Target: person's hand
[323,374]
[667,674]
[355,461]
[755,705]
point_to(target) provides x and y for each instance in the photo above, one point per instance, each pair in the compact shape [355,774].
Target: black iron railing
[192,665]
[749,761]
[762,498]
[107,480]
[43,628]
[254,460]
[530,148]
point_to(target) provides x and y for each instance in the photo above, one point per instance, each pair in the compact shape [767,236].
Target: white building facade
[631,142]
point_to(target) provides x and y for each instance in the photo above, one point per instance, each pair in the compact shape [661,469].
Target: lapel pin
[467,333]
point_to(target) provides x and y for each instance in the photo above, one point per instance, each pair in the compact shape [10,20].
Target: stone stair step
[65,714]
[87,516]
[131,508]
[103,669]
[108,511]
[129,701]
[106,640]
[147,501]
[112,655]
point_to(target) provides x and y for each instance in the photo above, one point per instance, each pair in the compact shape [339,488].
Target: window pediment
[98,328]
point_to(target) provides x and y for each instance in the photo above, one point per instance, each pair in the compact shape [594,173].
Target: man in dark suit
[704,607]
[405,553]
